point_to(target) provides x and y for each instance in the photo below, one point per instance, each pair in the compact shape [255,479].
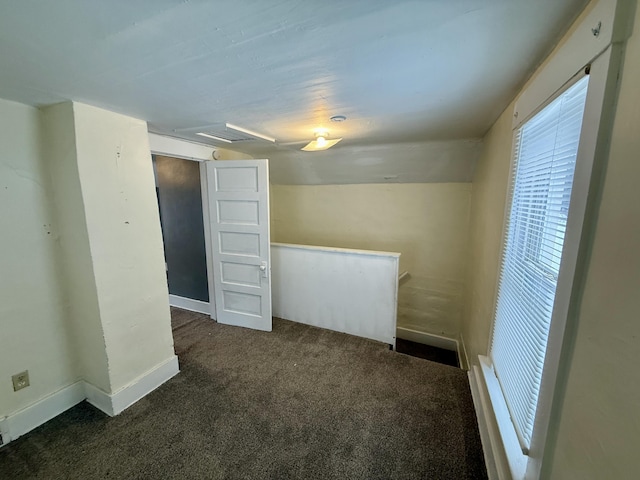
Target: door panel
[245,244]
[239,206]
[238,179]
[241,212]
[245,303]
[241,274]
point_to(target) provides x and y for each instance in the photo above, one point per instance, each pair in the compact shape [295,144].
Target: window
[542,180]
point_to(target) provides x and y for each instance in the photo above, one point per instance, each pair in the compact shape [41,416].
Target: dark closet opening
[180,202]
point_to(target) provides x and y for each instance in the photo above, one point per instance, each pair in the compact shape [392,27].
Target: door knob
[263,268]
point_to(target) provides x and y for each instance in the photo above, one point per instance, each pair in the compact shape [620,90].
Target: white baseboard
[190,304]
[98,398]
[40,412]
[113,404]
[43,410]
[462,354]
[427,339]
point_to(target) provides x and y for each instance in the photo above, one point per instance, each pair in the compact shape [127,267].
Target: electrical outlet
[20,380]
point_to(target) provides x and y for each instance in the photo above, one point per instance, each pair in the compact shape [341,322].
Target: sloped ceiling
[402,72]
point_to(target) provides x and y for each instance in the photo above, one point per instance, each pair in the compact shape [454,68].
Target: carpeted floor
[297,403]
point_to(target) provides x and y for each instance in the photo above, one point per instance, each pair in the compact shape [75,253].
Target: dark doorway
[180,201]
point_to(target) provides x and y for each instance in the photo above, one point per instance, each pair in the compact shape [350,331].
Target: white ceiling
[401,71]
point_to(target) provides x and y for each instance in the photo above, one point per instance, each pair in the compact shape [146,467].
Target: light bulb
[321,142]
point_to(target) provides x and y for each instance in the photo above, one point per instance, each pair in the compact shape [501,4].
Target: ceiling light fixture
[250,132]
[214,137]
[321,142]
[338,118]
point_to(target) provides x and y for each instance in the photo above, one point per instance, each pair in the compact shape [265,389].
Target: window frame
[595,42]
[537,268]
[590,162]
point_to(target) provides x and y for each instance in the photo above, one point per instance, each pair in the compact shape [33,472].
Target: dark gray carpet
[299,402]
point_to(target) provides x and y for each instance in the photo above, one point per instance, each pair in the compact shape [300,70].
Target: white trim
[462,354]
[250,132]
[592,152]
[45,409]
[113,404]
[145,384]
[430,339]
[42,411]
[371,253]
[190,304]
[579,49]
[179,148]
[98,398]
[395,303]
[496,467]
[497,418]
[5,436]
[174,147]
[208,244]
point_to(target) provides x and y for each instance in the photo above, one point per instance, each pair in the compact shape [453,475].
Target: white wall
[122,218]
[111,244]
[598,426]
[59,143]
[346,290]
[426,223]
[83,280]
[34,333]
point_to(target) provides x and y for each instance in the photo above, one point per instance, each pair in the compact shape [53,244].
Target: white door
[239,218]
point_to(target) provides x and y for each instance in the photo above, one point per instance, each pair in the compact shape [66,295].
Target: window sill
[497,409]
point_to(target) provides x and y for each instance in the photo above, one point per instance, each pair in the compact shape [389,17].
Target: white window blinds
[545,155]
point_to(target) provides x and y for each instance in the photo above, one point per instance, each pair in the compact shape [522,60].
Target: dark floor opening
[427,352]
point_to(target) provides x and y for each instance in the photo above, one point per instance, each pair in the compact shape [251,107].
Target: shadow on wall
[450,161]
[433,303]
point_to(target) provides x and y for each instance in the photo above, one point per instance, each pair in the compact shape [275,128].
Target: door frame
[197,152]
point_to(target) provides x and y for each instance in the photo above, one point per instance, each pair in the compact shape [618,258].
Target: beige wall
[111,244]
[34,334]
[84,292]
[598,426]
[123,225]
[426,223]
[78,282]
[490,186]
[449,161]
